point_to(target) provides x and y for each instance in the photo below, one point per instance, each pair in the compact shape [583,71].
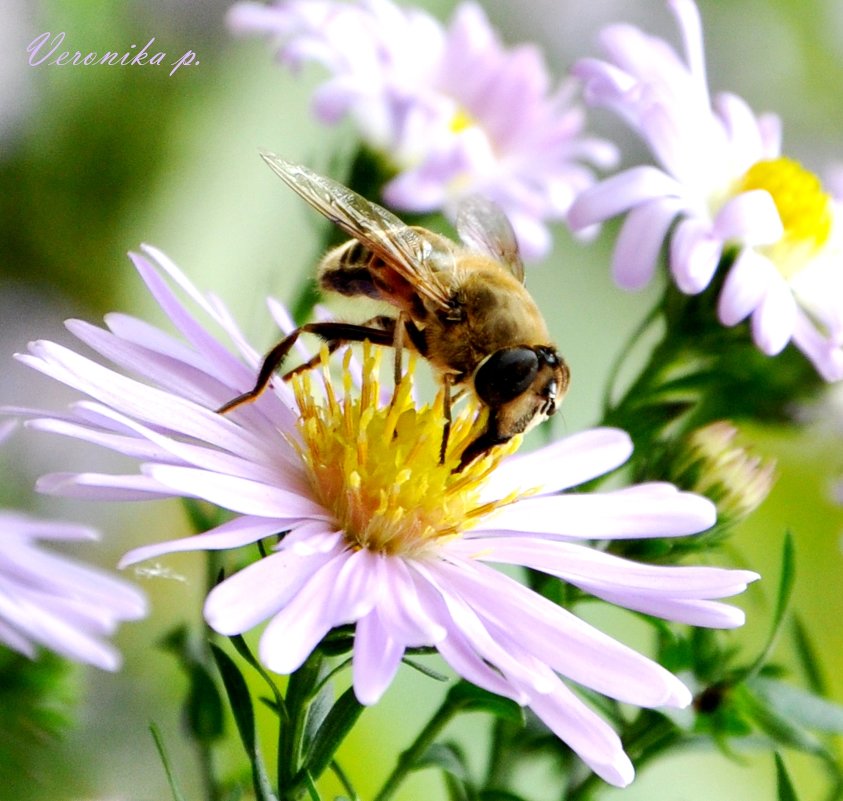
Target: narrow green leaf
[476,699]
[311,789]
[424,669]
[782,730]
[808,658]
[785,785]
[242,648]
[244,717]
[317,712]
[165,761]
[786,582]
[335,727]
[445,757]
[203,705]
[800,706]
[344,781]
[499,795]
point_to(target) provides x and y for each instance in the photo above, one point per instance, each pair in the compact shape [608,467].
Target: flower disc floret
[806,211]
[376,464]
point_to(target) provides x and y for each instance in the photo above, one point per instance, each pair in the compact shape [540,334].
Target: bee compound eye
[505,375]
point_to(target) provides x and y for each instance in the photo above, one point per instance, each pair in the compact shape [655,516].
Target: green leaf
[786,582]
[165,761]
[499,795]
[337,724]
[781,729]
[475,699]
[243,649]
[424,669]
[244,717]
[808,658]
[800,706]
[345,782]
[785,786]
[203,705]
[447,757]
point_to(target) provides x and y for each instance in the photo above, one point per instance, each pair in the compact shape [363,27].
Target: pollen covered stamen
[805,209]
[376,463]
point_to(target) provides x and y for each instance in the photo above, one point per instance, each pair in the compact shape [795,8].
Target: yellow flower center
[805,209]
[461,120]
[376,465]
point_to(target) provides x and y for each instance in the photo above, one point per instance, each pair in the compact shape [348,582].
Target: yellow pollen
[805,210]
[461,120]
[375,463]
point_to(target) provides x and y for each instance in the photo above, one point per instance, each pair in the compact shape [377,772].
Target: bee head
[521,386]
[510,373]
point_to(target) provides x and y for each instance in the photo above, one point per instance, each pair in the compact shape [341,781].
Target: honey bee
[462,307]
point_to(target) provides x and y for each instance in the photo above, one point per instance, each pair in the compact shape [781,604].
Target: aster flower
[51,600]
[740,204]
[368,528]
[454,111]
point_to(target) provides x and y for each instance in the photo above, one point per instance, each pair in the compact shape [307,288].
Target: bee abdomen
[345,270]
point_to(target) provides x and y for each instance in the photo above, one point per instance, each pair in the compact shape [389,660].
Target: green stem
[409,758]
[499,768]
[292,731]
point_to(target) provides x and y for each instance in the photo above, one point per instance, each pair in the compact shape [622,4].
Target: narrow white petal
[694,255]
[298,628]
[565,463]
[708,614]
[586,733]
[102,487]
[557,638]
[605,515]
[620,193]
[744,287]
[640,241]
[238,494]
[591,568]
[774,320]
[750,218]
[232,534]
[377,657]
[260,590]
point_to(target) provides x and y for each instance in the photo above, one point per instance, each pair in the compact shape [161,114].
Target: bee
[462,306]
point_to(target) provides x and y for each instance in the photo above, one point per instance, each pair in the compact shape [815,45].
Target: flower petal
[620,193]
[640,240]
[566,463]
[621,514]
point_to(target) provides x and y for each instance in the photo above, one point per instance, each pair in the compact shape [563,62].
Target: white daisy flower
[50,600]
[367,528]
[453,109]
[736,201]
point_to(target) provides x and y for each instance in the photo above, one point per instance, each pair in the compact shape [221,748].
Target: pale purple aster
[53,601]
[379,534]
[721,177]
[453,109]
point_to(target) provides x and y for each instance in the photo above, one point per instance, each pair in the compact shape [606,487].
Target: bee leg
[333,333]
[382,321]
[447,381]
[398,346]
[272,361]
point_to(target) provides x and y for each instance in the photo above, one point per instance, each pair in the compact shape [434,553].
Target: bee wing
[409,254]
[483,226]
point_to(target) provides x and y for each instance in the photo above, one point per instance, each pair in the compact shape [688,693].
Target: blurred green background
[95,160]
